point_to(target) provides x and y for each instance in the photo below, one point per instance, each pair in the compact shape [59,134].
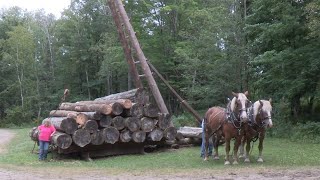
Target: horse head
[262,113]
[239,105]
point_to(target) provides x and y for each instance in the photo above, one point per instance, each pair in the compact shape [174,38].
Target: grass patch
[277,153]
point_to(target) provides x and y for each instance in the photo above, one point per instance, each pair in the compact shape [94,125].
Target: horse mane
[266,106]
[233,104]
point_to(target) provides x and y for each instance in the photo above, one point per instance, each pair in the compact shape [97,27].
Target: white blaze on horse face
[243,100]
[269,120]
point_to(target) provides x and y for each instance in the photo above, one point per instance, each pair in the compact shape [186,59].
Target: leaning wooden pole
[183,102]
[125,46]
[143,60]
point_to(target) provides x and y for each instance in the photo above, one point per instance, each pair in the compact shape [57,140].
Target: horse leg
[247,159]
[235,150]
[227,161]
[261,138]
[216,145]
[207,137]
[241,148]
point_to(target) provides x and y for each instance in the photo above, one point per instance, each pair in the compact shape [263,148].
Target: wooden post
[125,46]
[143,60]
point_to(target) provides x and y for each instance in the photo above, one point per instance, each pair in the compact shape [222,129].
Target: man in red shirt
[46,130]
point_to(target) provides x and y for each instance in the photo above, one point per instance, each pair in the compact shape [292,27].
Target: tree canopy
[205,49]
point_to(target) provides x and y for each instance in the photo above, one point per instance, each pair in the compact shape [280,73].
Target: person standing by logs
[46,130]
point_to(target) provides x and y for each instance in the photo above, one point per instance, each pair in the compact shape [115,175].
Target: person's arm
[53,130]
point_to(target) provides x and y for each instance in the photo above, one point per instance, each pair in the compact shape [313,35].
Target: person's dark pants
[43,149]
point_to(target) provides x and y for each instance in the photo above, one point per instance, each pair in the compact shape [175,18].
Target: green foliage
[184,120]
[308,132]
[16,117]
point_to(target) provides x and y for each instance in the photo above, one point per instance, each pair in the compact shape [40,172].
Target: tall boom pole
[142,59]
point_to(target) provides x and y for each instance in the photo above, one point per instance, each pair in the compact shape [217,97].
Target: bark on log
[151,110]
[156,134]
[34,134]
[68,106]
[135,111]
[102,108]
[126,103]
[65,124]
[139,136]
[111,135]
[170,133]
[62,140]
[105,121]
[117,108]
[91,126]
[125,136]
[139,95]
[147,124]
[132,123]
[65,113]
[192,132]
[97,138]
[164,121]
[118,122]
[81,137]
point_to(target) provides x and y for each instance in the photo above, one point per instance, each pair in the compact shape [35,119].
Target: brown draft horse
[227,123]
[259,121]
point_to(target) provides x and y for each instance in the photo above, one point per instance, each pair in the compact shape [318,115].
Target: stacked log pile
[116,121]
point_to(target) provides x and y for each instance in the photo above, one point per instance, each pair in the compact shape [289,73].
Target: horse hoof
[216,158]
[226,163]
[260,160]
[241,156]
[205,159]
[235,163]
[247,160]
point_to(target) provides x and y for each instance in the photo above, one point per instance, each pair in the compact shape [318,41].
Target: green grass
[277,153]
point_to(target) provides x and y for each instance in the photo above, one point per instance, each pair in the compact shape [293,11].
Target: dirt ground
[25,173]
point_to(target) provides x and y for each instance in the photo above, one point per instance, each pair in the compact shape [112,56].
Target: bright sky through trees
[50,6]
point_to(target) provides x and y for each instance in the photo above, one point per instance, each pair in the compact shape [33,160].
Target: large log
[192,132]
[81,137]
[147,124]
[170,133]
[118,122]
[156,134]
[139,136]
[111,135]
[105,121]
[65,124]
[34,134]
[91,126]
[117,108]
[151,110]
[164,121]
[62,140]
[125,136]
[126,103]
[132,123]
[65,113]
[139,95]
[80,118]
[101,108]
[135,111]
[97,138]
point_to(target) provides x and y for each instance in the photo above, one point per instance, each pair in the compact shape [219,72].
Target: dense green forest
[205,48]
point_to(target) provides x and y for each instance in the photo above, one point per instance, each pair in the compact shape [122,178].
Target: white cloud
[50,6]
